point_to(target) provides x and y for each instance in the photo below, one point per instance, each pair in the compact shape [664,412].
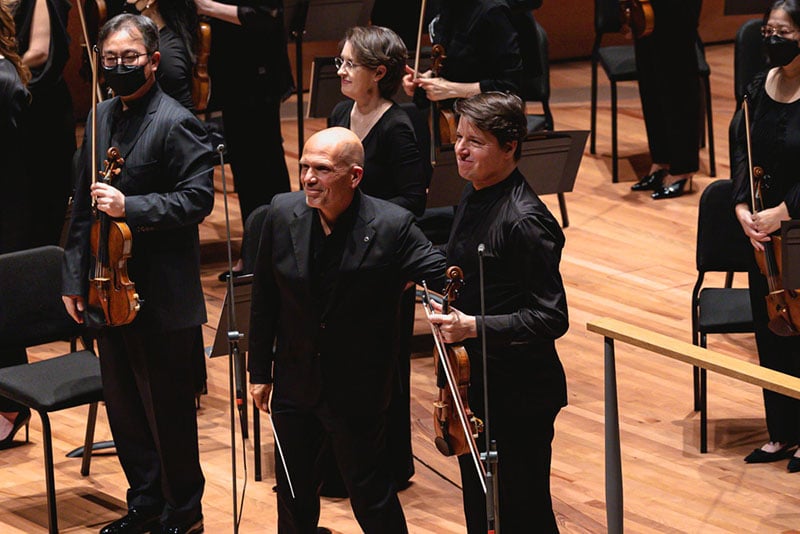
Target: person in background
[669,87]
[43,42]
[163,192]
[371,65]
[525,313]
[251,76]
[177,40]
[332,266]
[774,101]
[14,101]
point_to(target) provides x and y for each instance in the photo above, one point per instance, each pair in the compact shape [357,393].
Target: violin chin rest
[443,446]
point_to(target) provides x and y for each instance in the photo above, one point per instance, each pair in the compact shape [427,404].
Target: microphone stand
[234,363]
[490,457]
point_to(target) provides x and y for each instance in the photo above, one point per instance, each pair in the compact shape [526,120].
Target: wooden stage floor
[626,256]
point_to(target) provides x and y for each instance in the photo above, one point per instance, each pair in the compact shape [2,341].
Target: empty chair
[33,314]
[722,247]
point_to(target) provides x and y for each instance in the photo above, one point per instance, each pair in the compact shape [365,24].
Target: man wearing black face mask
[163,192]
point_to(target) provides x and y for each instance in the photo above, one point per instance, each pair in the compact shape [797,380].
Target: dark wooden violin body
[638,17]
[449,414]
[443,121]
[110,289]
[201,81]
[783,305]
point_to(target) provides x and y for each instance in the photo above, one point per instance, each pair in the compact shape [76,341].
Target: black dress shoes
[794,464]
[675,189]
[137,521]
[192,528]
[651,182]
[759,456]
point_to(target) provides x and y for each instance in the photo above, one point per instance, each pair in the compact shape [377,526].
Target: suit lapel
[300,230]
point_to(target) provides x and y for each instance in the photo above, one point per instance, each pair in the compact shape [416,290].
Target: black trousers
[669,85]
[523,435]
[359,446]
[778,353]
[255,150]
[149,394]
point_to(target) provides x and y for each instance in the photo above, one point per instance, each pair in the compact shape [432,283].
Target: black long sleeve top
[393,166]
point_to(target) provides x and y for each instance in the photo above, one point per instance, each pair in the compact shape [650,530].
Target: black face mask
[780,51]
[124,80]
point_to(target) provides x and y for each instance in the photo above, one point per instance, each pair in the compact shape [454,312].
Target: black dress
[775,138]
[13,215]
[250,76]
[51,129]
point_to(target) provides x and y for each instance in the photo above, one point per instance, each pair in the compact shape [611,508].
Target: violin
[443,122]
[783,306]
[637,17]
[456,426]
[201,81]
[110,290]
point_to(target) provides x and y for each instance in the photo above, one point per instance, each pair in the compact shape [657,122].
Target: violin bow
[419,38]
[451,384]
[746,110]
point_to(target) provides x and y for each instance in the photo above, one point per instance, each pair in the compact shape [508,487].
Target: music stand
[549,162]
[242,292]
[746,7]
[319,20]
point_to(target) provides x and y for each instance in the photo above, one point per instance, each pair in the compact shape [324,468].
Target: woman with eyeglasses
[371,64]
[774,113]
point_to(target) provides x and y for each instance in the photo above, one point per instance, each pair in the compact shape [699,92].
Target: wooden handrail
[749,372]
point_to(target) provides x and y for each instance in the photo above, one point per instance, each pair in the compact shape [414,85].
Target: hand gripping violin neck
[113,300]
[455,425]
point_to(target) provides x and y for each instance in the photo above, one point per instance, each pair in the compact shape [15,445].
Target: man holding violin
[162,193]
[502,219]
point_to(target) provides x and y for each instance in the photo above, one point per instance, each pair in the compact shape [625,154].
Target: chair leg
[562,205]
[49,473]
[696,383]
[614,155]
[89,438]
[710,119]
[703,413]
[593,127]
[257,442]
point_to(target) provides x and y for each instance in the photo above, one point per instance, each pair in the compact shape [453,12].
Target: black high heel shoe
[675,189]
[651,182]
[23,419]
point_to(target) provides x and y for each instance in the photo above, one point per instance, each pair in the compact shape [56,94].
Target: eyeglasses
[128,59]
[783,31]
[345,64]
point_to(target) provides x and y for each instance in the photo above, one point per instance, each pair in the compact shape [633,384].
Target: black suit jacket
[167,180]
[343,353]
